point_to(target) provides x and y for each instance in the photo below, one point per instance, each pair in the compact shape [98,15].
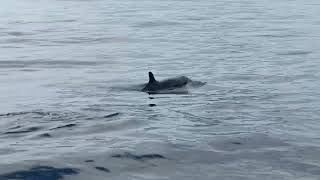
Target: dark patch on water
[46,135]
[237,143]
[64,126]
[17,33]
[152,105]
[40,173]
[138,157]
[89,160]
[111,115]
[102,169]
[151,97]
[31,129]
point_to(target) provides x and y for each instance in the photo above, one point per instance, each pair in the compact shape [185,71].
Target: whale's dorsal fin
[151,78]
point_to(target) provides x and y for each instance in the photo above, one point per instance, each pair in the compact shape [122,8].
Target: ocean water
[69,107]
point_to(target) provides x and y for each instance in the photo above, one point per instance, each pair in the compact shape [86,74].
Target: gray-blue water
[68,108]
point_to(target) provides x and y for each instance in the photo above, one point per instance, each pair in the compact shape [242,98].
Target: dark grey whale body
[154,86]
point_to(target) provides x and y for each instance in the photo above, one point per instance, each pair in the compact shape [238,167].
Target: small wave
[294,53]
[142,157]
[100,168]
[31,129]
[64,126]
[277,35]
[24,113]
[111,115]
[11,47]
[19,40]
[48,63]
[157,24]
[44,116]
[29,70]
[103,117]
[42,22]
[249,141]
[80,40]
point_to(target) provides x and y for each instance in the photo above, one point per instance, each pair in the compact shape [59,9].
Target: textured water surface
[70,107]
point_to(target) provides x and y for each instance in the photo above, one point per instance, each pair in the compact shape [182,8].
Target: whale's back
[172,84]
[175,82]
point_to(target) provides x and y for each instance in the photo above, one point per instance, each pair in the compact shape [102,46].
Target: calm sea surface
[69,106]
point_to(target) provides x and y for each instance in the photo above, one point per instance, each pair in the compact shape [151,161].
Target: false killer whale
[154,86]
